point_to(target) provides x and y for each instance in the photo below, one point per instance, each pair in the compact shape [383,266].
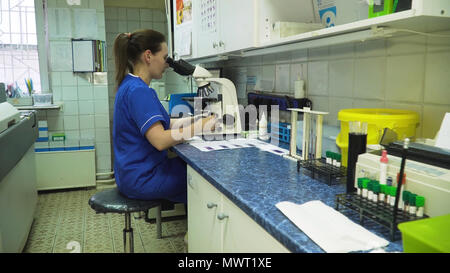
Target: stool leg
[128,248]
[158,222]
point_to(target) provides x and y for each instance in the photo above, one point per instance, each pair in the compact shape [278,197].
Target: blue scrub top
[136,162]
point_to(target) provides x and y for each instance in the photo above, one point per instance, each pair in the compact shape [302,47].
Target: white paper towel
[330,229]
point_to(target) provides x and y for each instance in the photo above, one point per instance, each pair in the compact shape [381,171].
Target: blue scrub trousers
[169,182]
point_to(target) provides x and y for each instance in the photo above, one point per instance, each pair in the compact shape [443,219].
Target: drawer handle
[211,205]
[221,216]
[189,181]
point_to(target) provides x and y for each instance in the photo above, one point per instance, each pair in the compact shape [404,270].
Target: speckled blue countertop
[255,181]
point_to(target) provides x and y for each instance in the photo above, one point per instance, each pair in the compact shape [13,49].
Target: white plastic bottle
[262,128]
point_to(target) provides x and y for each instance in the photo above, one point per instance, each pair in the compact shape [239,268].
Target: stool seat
[111,200]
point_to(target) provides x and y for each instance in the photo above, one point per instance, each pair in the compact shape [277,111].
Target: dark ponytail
[129,46]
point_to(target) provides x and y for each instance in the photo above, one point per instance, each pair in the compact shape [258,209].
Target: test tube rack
[325,172]
[379,212]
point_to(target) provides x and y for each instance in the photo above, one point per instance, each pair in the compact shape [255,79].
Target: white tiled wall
[85,104]
[410,72]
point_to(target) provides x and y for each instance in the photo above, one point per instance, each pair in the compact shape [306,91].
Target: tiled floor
[64,223]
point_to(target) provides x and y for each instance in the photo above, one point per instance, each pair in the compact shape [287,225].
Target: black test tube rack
[379,212]
[322,171]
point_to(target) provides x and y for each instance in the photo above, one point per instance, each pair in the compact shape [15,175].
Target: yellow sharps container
[402,122]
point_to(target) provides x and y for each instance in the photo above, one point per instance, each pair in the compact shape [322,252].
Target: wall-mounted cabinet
[224,26]
[242,28]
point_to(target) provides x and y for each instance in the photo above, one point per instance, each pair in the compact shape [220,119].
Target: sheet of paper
[207,146]
[443,137]
[329,228]
[183,39]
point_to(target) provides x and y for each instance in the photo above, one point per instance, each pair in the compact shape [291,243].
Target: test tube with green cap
[338,160]
[328,157]
[360,185]
[381,197]
[393,192]
[370,190]
[376,191]
[388,194]
[405,198]
[365,184]
[412,203]
[420,203]
[333,159]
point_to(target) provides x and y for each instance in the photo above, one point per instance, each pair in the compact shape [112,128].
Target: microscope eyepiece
[181,66]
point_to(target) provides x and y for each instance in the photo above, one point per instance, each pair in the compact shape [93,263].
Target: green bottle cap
[370,185]
[420,201]
[328,154]
[376,188]
[365,182]
[376,182]
[360,182]
[405,196]
[412,199]
[338,157]
[383,188]
[393,191]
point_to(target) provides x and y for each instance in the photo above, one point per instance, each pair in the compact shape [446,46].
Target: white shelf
[58,105]
[422,20]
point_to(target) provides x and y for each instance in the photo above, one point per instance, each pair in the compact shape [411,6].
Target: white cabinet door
[238,21]
[204,201]
[243,234]
[207,27]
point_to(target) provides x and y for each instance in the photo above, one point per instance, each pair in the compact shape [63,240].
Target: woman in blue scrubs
[142,130]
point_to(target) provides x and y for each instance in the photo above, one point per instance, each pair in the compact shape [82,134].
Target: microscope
[223,103]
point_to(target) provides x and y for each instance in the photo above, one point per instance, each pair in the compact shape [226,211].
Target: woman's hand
[205,125]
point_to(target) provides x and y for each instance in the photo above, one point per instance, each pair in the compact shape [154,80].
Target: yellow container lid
[375,115]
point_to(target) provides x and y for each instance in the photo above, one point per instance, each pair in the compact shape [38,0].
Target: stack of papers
[207,146]
[330,229]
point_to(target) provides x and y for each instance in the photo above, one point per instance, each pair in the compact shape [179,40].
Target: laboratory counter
[255,181]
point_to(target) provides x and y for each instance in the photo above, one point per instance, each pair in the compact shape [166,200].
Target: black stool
[111,200]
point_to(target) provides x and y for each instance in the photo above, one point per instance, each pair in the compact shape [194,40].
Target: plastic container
[42,99]
[429,235]
[402,122]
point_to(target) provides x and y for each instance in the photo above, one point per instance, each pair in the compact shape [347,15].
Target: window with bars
[19,59]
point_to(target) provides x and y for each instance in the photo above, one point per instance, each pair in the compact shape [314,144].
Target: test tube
[370,190]
[365,184]
[382,196]
[405,198]
[420,203]
[376,191]
[412,203]
[338,160]
[328,157]
[360,185]
[392,194]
